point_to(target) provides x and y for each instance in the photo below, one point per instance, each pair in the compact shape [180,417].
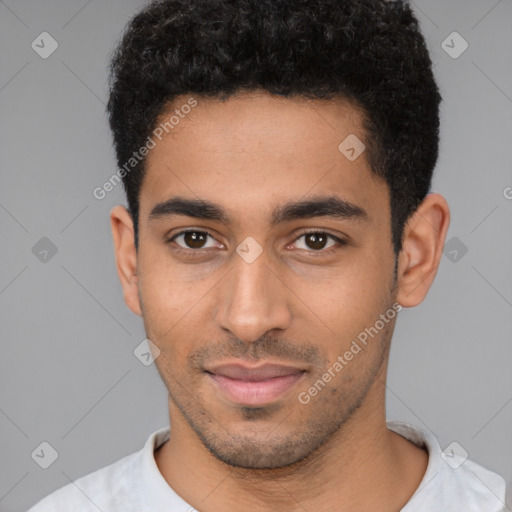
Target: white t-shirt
[134,483]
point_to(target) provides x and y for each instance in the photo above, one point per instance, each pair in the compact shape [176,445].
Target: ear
[422,249]
[126,256]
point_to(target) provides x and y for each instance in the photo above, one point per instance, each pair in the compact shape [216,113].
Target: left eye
[317,240]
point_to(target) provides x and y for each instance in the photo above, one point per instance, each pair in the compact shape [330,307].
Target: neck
[363,466]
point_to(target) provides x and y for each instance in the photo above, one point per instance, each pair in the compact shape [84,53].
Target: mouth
[254,385]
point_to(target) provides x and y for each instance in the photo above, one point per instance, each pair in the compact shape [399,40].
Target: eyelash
[197,252]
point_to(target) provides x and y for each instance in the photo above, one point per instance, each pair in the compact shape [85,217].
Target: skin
[295,303]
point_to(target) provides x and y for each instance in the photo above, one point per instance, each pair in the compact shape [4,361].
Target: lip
[254,385]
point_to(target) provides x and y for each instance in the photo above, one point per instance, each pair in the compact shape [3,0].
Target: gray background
[68,374]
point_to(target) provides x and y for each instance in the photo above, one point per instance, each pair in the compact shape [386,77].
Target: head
[277,158]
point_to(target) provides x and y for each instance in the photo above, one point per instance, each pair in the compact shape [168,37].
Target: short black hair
[369,52]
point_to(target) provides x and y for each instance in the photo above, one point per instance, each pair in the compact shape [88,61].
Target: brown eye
[316,241]
[192,239]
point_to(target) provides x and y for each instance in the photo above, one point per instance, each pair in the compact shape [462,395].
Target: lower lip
[256,393]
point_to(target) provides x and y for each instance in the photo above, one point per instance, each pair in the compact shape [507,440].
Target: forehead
[259,117]
[257,150]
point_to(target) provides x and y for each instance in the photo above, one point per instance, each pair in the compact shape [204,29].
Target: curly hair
[369,52]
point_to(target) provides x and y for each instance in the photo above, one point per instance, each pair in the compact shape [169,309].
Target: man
[277,157]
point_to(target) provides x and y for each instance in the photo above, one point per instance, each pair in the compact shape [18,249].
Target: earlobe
[422,249]
[126,256]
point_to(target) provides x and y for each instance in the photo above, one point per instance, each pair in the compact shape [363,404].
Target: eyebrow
[322,206]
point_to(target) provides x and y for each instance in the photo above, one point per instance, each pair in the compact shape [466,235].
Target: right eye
[191,241]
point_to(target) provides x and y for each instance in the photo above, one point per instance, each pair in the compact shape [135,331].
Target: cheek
[168,303]
[359,283]
[344,303]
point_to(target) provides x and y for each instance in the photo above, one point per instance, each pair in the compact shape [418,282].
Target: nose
[253,299]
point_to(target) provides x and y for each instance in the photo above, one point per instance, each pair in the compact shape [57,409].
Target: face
[254,301]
